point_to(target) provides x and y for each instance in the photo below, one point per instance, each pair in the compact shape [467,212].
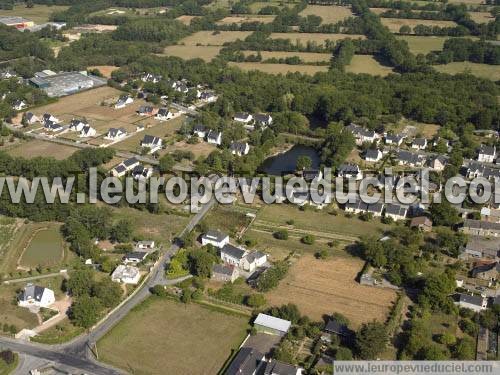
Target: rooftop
[269,321]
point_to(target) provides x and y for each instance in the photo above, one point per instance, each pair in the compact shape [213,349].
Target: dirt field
[245,19]
[166,337]
[105,70]
[304,56]
[206,53]
[38,14]
[321,287]
[481,17]
[211,38]
[480,70]
[367,64]
[319,38]
[36,148]
[186,20]
[280,68]
[328,13]
[394,24]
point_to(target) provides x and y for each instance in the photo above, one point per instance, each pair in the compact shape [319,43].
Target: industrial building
[65,83]
[17,22]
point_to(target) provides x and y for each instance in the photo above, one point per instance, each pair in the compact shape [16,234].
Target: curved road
[76,353]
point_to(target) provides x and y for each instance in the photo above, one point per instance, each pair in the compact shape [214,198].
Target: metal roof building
[66,83]
[270,324]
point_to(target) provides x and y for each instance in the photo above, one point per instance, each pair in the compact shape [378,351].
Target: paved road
[77,353]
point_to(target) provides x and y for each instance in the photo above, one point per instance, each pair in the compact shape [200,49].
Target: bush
[281,234]
[308,239]
[256,300]
[7,356]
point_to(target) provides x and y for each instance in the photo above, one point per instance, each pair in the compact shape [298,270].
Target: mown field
[328,13]
[38,14]
[206,53]
[165,337]
[491,72]
[280,68]
[304,56]
[318,38]
[423,44]
[394,24]
[211,38]
[37,148]
[367,64]
[321,287]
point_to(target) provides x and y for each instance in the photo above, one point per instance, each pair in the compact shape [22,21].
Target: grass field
[320,287]
[280,68]
[165,337]
[394,24]
[226,219]
[36,148]
[328,13]
[211,38]
[45,248]
[206,53]
[481,17]
[367,64]
[38,14]
[258,5]
[423,44]
[239,20]
[318,38]
[304,56]
[480,70]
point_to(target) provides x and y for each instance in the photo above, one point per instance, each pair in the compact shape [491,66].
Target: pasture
[304,56]
[423,44]
[320,287]
[239,20]
[328,13]
[318,38]
[367,64]
[394,24]
[280,68]
[207,53]
[491,72]
[165,337]
[38,14]
[39,148]
[45,248]
[213,38]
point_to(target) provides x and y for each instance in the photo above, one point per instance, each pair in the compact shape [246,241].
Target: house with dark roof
[164,114]
[243,117]
[77,125]
[248,361]
[214,137]
[232,254]
[487,154]
[30,118]
[422,223]
[146,110]
[208,97]
[87,131]
[115,134]
[239,148]
[482,248]
[394,139]
[215,238]
[334,327]
[224,272]
[359,206]
[487,271]
[150,77]
[263,120]
[152,143]
[373,155]
[312,174]
[396,211]
[52,127]
[275,367]
[350,171]
[481,228]
[123,101]
[438,163]
[251,261]
[124,167]
[135,257]
[200,130]
[476,303]
[362,135]
[419,144]
[476,169]
[140,172]
[34,295]
[409,158]
[19,105]
[48,117]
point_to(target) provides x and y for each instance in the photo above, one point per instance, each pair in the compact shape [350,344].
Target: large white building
[126,274]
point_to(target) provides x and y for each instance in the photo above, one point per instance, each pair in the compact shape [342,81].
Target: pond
[286,162]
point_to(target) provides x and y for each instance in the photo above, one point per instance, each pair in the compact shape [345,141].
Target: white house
[487,154]
[239,148]
[127,165]
[253,260]
[263,119]
[200,131]
[373,155]
[145,245]
[180,86]
[77,125]
[208,97]
[243,117]
[87,131]
[393,139]
[475,303]
[419,144]
[30,118]
[164,114]
[396,211]
[115,134]
[350,171]
[48,117]
[123,101]
[247,261]
[214,137]
[19,105]
[34,295]
[126,274]
[135,257]
[215,238]
[153,143]
[438,163]
[362,135]
[232,254]
[146,110]
[149,77]
[52,127]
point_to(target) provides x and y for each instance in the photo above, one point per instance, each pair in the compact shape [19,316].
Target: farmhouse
[17,22]
[253,260]
[242,258]
[33,295]
[164,114]
[481,228]
[224,272]
[122,168]
[214,137]
[30,118]
[65,83]
[373,155]
[200,131]
[239,148]
[248,361]
[123,101]
[350,171]
[419,144]
[135,257]
[115,134]
[126,274]
[487,154]
[476,303]
[271,325]
[140,172]
[146,110]
[77,125]
[19,105]
[153,143]
[215,238]
[243,117]
[396,211]
[87,131]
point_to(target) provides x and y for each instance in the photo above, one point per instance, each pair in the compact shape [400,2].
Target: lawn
[45,248]
[165,337]
[367,64]
[206,53]
[280,68]
[328,13]
[320,287]
[213,38]
[480,70]
[38,14]
[239,20]
[319,38]
[304,56]
[394,24]
[39,148]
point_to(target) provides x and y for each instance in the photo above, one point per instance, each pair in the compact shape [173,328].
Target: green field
[8,369]
[45,248]
[480,70]
[258,5]
[424,44]
[367,64]
[165,337]
[38,14]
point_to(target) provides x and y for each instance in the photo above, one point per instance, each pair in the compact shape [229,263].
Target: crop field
[36,148]
[480,70]
[211,38]
[304,56]
[320,287]
[160,337]
[318,38]
[328,13]
[45,248]
[481,17]
[394,24]
[367,64]
[239,20]
[280,68]
[38,14]
[206,53]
